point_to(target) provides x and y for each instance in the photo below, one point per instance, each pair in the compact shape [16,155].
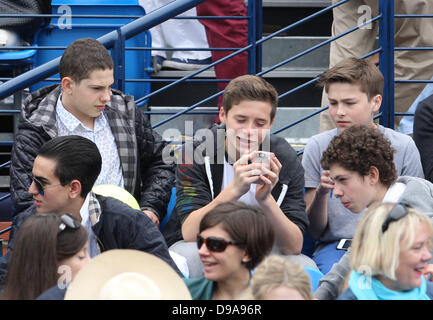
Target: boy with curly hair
[354,89]
[361,166]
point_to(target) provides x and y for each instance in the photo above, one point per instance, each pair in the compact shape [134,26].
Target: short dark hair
[358,148]
[245,224]
[82,57]
[355,71]
[251,88]
[77,158]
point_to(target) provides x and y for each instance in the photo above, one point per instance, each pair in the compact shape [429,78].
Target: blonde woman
[279,278]
[390,255]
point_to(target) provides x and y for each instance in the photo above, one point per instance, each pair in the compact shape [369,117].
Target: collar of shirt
[84,211]
[72,123]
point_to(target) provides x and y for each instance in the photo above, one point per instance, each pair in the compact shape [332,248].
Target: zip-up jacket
[145,174]
[199,181]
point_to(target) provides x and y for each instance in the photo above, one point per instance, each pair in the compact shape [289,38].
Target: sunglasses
[68,222]
[39,186]
[397,212]
[215,244]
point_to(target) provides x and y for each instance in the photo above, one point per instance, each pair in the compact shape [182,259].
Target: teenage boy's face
[356,192]
[348,105]
[87,99]
[247,124]
[55,198]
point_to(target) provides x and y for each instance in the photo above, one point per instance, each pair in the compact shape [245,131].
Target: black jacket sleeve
[423,135]
[27,143]
[193,190]
[157,176]
[291,175]
[121,227]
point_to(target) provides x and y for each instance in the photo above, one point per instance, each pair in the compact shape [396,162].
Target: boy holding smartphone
[224,170]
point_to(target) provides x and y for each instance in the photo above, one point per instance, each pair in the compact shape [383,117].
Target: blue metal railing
[109,41]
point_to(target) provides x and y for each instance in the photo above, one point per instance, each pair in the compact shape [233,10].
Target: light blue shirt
[101,135]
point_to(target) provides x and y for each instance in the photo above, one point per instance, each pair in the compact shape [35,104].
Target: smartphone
[344,244]
[263,157]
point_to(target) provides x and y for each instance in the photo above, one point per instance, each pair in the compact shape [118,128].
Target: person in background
[240,161]
[362,169]
[409,32]
[232,240]
[423,134]
[354,88]
[279,278]
[178,33]
[49,250]
[63,175]
[84,104]
[390,252]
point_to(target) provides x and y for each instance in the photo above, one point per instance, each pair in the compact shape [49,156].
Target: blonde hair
[276,271]
[377,253]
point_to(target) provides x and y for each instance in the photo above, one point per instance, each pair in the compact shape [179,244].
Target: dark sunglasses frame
[215,244]
[39,186]
[396,213]
[68,222]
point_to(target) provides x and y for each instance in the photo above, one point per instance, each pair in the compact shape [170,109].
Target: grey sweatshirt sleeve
[331,284]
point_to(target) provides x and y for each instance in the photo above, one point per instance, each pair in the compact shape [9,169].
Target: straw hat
[124,274]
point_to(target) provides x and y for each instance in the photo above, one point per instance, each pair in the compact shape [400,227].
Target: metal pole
[386,60]
[129,30]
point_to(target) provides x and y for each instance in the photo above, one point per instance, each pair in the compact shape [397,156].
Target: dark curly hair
[358,148]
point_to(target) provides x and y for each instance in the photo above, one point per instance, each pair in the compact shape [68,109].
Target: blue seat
[61,32]
[315,276]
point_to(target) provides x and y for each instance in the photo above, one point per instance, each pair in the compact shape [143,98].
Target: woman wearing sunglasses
[49,250]
[390,255]
[233,239]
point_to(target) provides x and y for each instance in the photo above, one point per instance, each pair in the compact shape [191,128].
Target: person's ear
[246,258]
[222,115]
[377,102]
[67,85]
[373,175]
[75,189]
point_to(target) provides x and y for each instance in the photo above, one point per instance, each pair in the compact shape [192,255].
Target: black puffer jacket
[140,148]
[25,27]
[118,226]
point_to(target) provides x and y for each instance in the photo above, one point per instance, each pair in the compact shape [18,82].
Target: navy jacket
[119,227]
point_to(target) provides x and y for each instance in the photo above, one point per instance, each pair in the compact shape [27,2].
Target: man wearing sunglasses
[63,174]
[84,104]
[362,170]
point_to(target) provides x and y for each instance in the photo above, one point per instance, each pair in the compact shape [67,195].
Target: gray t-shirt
[341,221]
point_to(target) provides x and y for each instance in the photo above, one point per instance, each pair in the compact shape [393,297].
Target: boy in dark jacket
[62,178]
[84,104]
[222,167]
